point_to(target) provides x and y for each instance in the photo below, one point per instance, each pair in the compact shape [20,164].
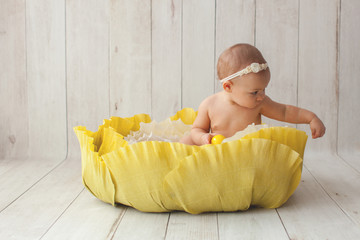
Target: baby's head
[246,88]
[236,58]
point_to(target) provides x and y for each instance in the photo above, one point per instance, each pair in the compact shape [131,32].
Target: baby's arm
[292,114]
[200,130]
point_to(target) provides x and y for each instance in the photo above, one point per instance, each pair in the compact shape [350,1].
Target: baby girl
[244,75]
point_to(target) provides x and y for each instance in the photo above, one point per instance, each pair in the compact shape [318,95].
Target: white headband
[254,67]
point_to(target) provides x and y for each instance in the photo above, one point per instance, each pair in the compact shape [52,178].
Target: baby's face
[249,90]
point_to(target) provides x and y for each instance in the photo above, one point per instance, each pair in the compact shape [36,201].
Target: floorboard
[256,223]
[139,225]
[311,214]
[339,180]
[55,205]
[17,176]
[6,164]
[351,158]
[31,215]
[86,218]
[187,227]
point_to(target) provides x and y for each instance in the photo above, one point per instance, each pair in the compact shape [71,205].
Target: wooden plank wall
[45,77]
[87,66]
[14,139]
[68,63]
[349,69]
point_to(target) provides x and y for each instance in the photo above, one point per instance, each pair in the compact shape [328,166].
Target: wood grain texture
[349,84]
[235,23]
[340,181]
[87,64]
[198,51]
[70,63]
[14,139]
[192,227]
[318,81]
[277,34]
[151,225]
[45,24]
[86,218]
[352,158]
[311,214]
[20,174]
[130,57]
[5,165]
[39,208]
[246,225]
[54,207]
[166,58]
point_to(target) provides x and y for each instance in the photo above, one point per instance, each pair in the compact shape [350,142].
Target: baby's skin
[242,102]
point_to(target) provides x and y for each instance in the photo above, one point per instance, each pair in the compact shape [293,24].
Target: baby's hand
[317,128]
[206,138]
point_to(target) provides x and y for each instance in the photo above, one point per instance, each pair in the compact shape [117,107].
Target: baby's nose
[261,96]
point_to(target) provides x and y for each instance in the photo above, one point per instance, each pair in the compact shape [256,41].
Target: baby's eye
[257,92]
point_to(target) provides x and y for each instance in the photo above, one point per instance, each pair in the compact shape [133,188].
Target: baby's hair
[236,58]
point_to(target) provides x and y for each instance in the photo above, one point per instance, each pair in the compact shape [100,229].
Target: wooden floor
[45,199]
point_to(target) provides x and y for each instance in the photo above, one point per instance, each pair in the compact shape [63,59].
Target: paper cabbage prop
[261,169]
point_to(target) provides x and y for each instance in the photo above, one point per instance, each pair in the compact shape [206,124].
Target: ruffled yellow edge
[98,177]
[234,175]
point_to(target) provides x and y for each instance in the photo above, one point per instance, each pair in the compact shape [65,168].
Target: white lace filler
[254,67]
[249,129]
[166,131]
[173,131]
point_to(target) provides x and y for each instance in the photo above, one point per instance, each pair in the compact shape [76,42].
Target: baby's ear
[227,86]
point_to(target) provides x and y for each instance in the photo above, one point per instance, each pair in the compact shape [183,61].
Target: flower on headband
[255,67]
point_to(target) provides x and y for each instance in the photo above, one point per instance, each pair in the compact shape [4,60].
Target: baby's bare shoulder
[209,101]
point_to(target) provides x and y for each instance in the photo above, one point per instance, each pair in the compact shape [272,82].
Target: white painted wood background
[76,62]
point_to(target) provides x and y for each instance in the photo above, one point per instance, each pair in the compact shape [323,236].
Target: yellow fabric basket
[261,169]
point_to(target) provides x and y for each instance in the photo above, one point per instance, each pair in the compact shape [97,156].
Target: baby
[244,75]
